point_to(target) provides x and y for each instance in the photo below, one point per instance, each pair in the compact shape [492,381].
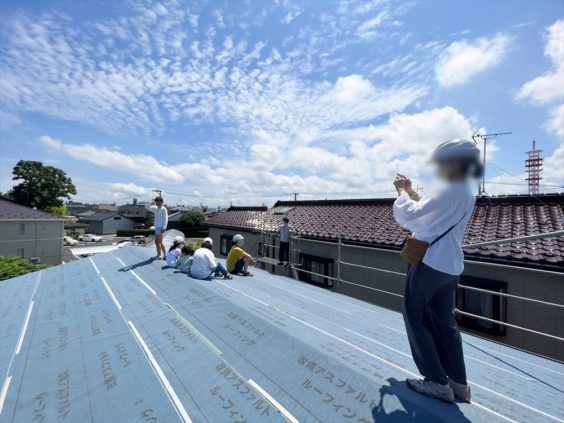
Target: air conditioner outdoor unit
[35,260]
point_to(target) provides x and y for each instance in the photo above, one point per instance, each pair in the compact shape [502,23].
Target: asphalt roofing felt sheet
[119,338]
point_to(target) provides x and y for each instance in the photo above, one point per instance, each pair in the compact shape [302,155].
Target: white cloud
[129,188]
[554,165]
[368,28]
[330,161]
[556,122]
[550,86]
[462,60]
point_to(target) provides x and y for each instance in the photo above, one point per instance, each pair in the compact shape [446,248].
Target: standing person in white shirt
[440,221]
[205,265]
[285,233]
[161,222]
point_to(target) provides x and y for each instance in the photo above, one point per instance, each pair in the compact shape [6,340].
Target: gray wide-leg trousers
[432,331]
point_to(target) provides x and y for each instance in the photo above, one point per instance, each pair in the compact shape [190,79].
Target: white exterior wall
[32,238]
[530,283]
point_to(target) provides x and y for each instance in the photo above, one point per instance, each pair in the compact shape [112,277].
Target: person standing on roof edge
[205,265]
[161,222]
[435,261]
[285,234]
[238,260]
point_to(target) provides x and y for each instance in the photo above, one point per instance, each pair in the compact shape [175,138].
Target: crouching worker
[238,260]
[184,262]
[436,260]
[174,251]
[205,265]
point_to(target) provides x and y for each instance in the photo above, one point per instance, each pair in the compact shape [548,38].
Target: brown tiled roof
[13,211]
[371,221]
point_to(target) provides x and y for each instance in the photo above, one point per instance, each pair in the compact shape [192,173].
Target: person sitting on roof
[238,260]
[285,234]
[161,222]
[184,262]
[205,265]
[436,260]
[174,250]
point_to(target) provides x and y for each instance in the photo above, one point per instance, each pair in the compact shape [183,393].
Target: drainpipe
[339,243]
[36,240]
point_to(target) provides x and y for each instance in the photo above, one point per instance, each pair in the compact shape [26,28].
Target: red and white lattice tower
[533,166]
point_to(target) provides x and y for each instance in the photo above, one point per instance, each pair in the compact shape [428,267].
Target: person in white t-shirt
[440,221]
[174,251]
[205,265]
[161,222]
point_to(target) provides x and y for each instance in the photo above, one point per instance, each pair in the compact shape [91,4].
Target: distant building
[134,211]
[75,228]
[75,208]
[371,237]
[107,223]
[85,213]
[30,234]
[107,207]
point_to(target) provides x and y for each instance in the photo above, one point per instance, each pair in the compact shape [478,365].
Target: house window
[117,217]
[225,244]
[22,229]
[320,267]
[482,304]
[21,252]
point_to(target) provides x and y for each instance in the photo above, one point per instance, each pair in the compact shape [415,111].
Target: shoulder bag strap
[447,231]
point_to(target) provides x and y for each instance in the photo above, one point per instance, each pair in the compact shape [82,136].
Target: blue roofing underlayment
[118,338]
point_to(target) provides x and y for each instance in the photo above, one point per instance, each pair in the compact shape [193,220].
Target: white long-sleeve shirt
[161,215]
[203,263]
[433,215]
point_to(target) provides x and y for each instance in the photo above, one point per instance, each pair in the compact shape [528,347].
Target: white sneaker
[462,392]
[431,389]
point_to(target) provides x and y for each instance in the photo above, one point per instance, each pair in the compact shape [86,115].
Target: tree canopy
[192,218]
[10,267]
[43,187]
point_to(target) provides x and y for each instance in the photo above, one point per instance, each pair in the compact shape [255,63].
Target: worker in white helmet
[436,260]
[174,250]
[205,265]
[238,260]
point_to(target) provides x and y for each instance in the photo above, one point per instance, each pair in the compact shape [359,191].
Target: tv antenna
[158,191]
[485,138]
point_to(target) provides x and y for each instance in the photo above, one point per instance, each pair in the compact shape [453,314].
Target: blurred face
[241,242]
[159,203]
[450,170]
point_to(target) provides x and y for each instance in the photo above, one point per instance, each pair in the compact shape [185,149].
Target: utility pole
[158,191]
[485,138]
[296,196]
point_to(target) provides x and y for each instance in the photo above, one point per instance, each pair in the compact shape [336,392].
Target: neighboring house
[30,234]
[75,208]
[107,223]
[531,269]
[75,228]
[85,213]
[135,212]
[107,207]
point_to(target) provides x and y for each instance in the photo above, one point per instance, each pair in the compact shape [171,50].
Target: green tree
[41,186]
[58,210]
[10,267]
[192,218]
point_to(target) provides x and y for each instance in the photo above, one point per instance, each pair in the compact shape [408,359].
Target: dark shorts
[239,266]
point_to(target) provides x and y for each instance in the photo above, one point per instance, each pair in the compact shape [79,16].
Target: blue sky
[245,101]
